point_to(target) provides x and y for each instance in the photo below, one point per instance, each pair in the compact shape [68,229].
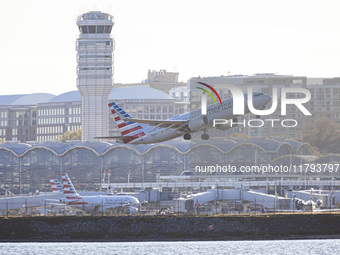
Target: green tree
[322,134]
[69,135]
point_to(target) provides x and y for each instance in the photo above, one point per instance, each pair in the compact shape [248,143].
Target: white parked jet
[311,206]
[142,131]
[100,203]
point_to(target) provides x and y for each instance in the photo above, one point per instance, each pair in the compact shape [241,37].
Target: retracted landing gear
[205,136]
[187,136]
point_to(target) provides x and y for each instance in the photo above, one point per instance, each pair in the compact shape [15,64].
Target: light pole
[108,176]
[158,175]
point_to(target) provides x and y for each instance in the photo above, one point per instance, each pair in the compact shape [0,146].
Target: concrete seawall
[170,228]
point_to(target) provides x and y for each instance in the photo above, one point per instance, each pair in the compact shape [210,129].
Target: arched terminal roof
[224,145]
[57,147]
[265,144]
[116,94]
[17,148]
[26,99]
[70,96]
[182,146]
[296,145]
[99,147]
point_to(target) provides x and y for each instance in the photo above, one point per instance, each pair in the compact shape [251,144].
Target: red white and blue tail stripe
[56,185]
[131,129]
[71,195]
[67,185]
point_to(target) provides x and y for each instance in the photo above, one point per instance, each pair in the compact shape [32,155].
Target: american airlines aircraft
[142,131]
[100,203]
[311,206]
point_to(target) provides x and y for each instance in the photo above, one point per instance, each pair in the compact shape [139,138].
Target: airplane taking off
[142,131]
[100,203]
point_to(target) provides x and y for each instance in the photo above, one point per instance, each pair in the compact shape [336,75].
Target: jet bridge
[188,204]
[266,200]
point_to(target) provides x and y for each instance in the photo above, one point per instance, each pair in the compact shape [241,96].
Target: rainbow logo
[209,93]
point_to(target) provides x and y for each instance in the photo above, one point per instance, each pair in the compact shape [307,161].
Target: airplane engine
[131,210]
[300,204]
[319,202]
[198,123]
[225,127]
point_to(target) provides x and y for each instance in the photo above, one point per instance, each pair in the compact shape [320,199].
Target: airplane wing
[278,210]
[121,137]
[176,124]
[326,210]
[52,202]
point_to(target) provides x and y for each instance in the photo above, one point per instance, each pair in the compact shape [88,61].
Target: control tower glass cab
[95,47]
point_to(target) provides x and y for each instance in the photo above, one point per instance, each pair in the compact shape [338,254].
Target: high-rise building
[95,47]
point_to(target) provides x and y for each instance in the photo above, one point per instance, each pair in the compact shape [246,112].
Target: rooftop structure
[161,80]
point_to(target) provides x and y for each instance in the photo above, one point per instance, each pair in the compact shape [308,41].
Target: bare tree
[322,134]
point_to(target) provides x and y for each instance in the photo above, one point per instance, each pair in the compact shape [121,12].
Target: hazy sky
[206,38]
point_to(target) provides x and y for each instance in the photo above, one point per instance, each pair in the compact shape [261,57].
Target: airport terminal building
[25,168]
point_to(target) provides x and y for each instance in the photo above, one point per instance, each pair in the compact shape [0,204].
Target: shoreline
[231,238]
[170,228]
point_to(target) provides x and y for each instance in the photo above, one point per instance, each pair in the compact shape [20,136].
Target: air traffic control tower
[95,47]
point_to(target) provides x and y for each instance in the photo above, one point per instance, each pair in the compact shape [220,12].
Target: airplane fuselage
[101,203]
[224,111]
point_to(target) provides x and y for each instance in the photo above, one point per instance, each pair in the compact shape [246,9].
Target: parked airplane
[100,203]
[54,204]
[311,206]
[142,131]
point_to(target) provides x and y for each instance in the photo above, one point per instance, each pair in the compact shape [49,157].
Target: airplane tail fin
[126,128]
[56,185]
[68,186]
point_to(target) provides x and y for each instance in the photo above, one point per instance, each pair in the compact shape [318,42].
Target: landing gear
[205,136]
[258,116]
[187,136]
